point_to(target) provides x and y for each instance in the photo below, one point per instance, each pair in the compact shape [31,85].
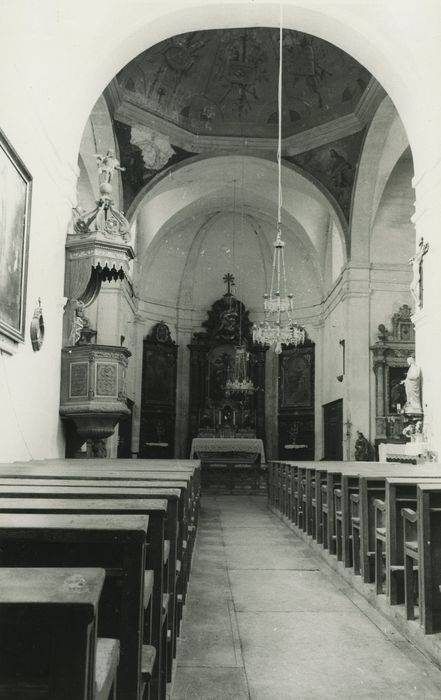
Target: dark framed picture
[15,203]
[297,378]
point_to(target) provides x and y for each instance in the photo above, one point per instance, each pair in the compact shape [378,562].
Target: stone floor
[266,620]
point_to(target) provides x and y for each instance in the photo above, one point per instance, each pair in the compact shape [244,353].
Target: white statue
[107,165]
[412,385]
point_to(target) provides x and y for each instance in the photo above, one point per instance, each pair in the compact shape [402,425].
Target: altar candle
[220,417]
[234,417]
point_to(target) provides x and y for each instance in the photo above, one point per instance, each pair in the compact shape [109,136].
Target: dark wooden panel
[158,399]
[333,430]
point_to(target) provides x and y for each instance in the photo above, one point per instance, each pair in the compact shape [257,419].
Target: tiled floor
[266,620]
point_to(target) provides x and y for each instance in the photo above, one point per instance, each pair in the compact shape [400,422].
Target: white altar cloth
[227,445]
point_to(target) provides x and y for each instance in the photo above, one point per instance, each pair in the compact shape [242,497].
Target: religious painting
[15,195]
[296,379]
[159,377]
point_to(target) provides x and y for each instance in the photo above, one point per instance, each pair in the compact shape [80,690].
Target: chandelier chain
[279,144]
[278,326]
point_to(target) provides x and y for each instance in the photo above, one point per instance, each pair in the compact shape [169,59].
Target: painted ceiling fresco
[335,166]
[224,82]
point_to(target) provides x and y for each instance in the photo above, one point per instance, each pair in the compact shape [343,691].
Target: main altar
[227,396]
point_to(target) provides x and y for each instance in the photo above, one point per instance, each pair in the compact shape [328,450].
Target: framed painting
[15,202]
[296,379]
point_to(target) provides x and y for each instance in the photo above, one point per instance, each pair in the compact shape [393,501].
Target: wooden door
[333,429]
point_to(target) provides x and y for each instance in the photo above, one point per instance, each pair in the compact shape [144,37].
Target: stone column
[182,395]
[356,404]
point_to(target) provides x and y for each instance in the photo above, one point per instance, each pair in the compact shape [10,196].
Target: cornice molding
[129,113]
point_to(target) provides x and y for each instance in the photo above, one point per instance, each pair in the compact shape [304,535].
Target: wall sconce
[343,360]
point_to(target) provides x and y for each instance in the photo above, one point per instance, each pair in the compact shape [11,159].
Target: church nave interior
[219,472]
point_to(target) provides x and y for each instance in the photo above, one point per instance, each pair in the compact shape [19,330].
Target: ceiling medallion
[278,326]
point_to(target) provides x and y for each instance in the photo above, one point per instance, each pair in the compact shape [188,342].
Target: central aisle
[266,620]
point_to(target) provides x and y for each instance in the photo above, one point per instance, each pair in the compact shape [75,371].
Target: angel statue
[107,165]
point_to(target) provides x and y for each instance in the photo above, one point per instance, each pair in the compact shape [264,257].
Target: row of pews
[382,520]
[95,559]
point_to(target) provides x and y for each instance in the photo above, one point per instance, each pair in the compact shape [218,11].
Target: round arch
[175,193]
[384,144]
[359,35]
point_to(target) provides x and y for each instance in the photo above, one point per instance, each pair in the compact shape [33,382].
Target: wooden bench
[428,556]
[59,470]
[390,496]
[66,476]
[156,510]
[120,470]
[82,490]
[48,636]
[113,542]
[191,467]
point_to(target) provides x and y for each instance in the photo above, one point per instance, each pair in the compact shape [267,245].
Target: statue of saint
[412,385]
[363,450]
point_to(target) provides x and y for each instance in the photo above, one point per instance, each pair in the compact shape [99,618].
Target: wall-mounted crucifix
[229,281]
[416,286]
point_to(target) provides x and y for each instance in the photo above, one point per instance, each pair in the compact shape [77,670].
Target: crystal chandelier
[240,383]
[278,326]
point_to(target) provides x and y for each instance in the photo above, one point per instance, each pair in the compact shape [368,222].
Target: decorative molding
[133,115]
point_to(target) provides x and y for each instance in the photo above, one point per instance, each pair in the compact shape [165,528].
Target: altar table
[230,462]
[250,445]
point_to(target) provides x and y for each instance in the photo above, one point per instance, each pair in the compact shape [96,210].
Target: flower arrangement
[413,429]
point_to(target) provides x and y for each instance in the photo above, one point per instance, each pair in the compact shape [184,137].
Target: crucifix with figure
[416,261]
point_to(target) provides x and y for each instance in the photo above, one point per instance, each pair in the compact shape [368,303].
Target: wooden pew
[116,543]
[38,488]
[427,549]
[48,636]
[361,483]
[390,496]
[79,469]
[190,466]
[156,510]
[62,474]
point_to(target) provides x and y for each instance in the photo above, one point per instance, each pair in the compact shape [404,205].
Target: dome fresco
[225,82]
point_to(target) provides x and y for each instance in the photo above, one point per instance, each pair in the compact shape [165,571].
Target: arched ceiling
[225,82]
[216,91]
[237,184]
[216,215]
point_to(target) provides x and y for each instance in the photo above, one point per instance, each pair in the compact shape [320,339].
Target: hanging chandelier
[278,326]
[240,384]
